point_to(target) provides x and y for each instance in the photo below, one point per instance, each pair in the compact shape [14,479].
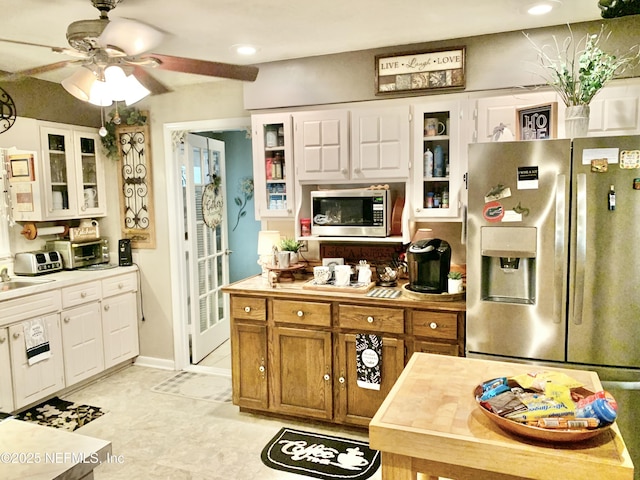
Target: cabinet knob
[83,208]
[341,380]
[3,339]
[356,170]
[67,319]
[262,369]
[344,171]
[433,325]
[121,286]
[247,309]
[370,319]
[16,335]
[327,377]
[418,209]
[106,308]
[300,313]
[83,294]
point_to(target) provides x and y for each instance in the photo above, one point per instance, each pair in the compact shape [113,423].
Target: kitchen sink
[15,284]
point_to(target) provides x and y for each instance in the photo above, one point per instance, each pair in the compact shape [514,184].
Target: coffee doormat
[61,414]
[320,456]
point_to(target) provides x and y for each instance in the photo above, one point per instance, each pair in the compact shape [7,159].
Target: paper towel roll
[51,230]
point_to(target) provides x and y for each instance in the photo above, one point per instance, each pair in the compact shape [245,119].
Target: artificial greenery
[289,245]
[455,275]
[119,116]
[577,71]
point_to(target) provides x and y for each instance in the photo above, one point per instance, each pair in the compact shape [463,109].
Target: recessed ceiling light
[542,7]
[245,49]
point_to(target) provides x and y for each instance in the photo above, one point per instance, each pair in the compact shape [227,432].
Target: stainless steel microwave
[351,212]
[81,254]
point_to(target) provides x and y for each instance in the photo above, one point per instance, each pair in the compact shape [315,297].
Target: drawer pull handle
[341,380]
[327,377]
[121,286]
[83,294]
[433,325]
[300,313]
[247,309]
[16,335]
[370,319]
[67,319]
[262,369]
[106,308]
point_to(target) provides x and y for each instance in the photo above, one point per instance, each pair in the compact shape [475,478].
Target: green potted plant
[454,282]
[577,71]
[290,245]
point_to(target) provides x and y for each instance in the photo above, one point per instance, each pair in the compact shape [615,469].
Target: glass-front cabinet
[438,166]
[272,165]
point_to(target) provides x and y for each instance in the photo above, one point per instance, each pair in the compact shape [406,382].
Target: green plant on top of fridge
[577,71]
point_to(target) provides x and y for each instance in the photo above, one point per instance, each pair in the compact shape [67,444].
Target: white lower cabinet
[6,388]
[119,328]
[82,342]
[34,382]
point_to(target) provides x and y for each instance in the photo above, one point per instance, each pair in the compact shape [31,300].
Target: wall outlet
[304,247]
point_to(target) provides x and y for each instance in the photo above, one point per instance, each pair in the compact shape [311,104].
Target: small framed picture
[537,122]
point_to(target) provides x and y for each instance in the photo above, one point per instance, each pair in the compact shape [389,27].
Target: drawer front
[378,319]
[437,348]
[249,308]
[120,284]
[441,325]
[82,293]
[30,306]
[302,313]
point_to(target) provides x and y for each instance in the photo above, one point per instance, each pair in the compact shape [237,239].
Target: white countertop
[52,281]
[28,450]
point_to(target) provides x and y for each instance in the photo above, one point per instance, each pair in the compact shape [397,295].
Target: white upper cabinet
[380,143]
[615,111]
[272,165]
[321,145]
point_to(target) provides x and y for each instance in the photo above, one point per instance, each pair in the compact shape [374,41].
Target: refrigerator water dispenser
[509,264]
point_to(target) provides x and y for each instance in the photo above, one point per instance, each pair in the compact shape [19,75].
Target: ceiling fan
[101,43]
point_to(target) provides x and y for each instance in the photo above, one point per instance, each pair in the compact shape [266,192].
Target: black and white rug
[320,456]
[62,414]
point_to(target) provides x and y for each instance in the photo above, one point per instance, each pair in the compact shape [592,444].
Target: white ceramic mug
[433,127]
[321,274]
[343,275]
[90,197]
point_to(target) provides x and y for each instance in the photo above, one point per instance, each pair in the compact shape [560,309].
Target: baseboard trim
[153,362]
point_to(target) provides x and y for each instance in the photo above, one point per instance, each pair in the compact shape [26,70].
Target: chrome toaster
[37,263]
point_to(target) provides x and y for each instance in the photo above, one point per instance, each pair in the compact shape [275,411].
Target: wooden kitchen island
[430,423]
[293,349]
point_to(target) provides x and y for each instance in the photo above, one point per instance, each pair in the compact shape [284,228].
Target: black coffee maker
[428,261]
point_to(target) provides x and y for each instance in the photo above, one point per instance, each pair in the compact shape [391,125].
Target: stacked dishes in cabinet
[436,160]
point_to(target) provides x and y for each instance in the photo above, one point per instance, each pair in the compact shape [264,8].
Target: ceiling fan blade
[66,51]
[29,72]
[203,67]
[145,78]
[130,36]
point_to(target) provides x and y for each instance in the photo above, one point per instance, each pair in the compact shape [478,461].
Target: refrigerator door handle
[581,246]
[559,271]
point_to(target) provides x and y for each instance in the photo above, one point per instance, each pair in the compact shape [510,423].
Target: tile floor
[170,437]
[219,358]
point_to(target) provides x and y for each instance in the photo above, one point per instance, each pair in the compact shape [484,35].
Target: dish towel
[368,360]
[36,340]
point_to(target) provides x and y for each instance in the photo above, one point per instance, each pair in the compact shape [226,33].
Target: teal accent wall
[243,241]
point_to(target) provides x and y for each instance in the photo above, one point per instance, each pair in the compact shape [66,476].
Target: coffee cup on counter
[321,275]
[343,275]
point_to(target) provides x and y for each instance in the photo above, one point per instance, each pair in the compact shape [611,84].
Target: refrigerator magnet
[493,212]
[497,192]
[599,165]
[630,159]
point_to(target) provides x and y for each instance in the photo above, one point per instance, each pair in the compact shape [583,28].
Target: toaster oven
[81,254]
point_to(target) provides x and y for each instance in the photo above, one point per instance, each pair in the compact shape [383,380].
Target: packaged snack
[504,403]
[538,380]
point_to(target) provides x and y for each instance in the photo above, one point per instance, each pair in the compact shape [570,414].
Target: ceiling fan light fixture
[134,91]
[79,84]
[116,81]
[100,94]
[130,36]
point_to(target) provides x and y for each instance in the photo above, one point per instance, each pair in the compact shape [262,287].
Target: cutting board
[353,288]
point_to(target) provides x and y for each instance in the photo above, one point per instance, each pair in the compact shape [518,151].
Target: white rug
[200,386]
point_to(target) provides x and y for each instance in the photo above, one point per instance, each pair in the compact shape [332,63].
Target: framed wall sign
[537,122]
[420,71]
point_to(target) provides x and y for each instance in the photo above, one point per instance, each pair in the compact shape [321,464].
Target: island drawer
[440,325]
[303,313]
[249,308]
[378,319]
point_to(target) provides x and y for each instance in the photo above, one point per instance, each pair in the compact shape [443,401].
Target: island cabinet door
[301,372]
[354,404]
[249,365]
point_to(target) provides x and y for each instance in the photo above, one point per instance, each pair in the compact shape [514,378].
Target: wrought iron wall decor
[7,111]
[136,187]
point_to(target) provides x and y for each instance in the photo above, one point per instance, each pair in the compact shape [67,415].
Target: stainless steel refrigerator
[553,261]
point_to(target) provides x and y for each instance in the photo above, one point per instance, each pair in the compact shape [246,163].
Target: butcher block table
[430,423]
